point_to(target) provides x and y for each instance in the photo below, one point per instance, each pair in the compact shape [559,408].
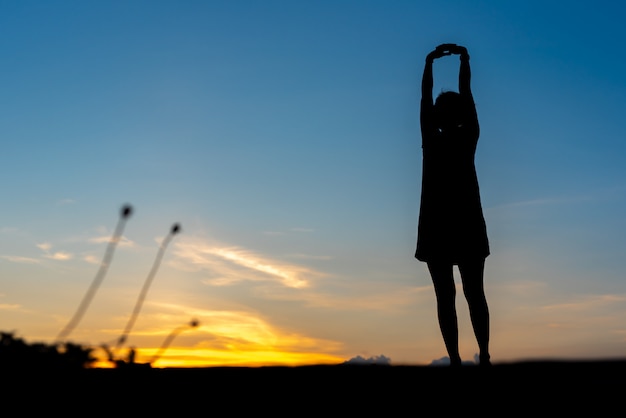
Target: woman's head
[448,110]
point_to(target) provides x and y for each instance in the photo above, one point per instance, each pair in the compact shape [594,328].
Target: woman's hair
[448,107]
[448,99]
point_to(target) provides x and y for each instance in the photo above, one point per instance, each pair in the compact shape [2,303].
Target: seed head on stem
[144,291]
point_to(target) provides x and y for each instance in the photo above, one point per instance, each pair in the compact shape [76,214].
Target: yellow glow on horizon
[240,356]
[102,364]
[226,338]
[207,357]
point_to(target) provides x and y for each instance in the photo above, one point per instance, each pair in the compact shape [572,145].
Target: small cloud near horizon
[445,361]
[381,360]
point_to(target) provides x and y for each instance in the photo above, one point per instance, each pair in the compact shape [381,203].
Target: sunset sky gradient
[284,138]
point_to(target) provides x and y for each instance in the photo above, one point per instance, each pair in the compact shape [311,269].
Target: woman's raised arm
[427,77]
[427,81]
[465,73]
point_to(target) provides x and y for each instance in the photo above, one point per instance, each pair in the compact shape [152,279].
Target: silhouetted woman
[452,228]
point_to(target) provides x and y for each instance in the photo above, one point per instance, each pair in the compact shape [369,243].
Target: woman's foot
[485,360]
[456,362]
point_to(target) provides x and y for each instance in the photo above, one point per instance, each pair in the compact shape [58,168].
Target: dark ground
[540,388]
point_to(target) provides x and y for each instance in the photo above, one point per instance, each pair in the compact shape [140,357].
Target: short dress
[451,225]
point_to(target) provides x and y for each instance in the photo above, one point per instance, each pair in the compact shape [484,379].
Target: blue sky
[284,137]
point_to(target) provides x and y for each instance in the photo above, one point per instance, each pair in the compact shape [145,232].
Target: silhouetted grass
[17,353]
[144,290]
[95,284]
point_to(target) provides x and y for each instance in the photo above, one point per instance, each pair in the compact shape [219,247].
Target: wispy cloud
[298,230]
[597,315]
[545,201]
[20,259]
[57,255]
[358,297]
[283,281]
[231,264]
[310,256]
[10,307]
[60,256]
[105,239]
[301,229]
[91,259]
[591,195]
[588,303]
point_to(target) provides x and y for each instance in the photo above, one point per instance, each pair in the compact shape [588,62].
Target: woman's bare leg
[445,291]
[473,287]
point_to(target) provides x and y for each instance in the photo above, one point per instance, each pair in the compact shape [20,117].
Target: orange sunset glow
[224,338]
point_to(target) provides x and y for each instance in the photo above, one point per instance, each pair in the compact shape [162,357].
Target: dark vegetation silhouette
[61,354]
[451,228]
[16,353]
